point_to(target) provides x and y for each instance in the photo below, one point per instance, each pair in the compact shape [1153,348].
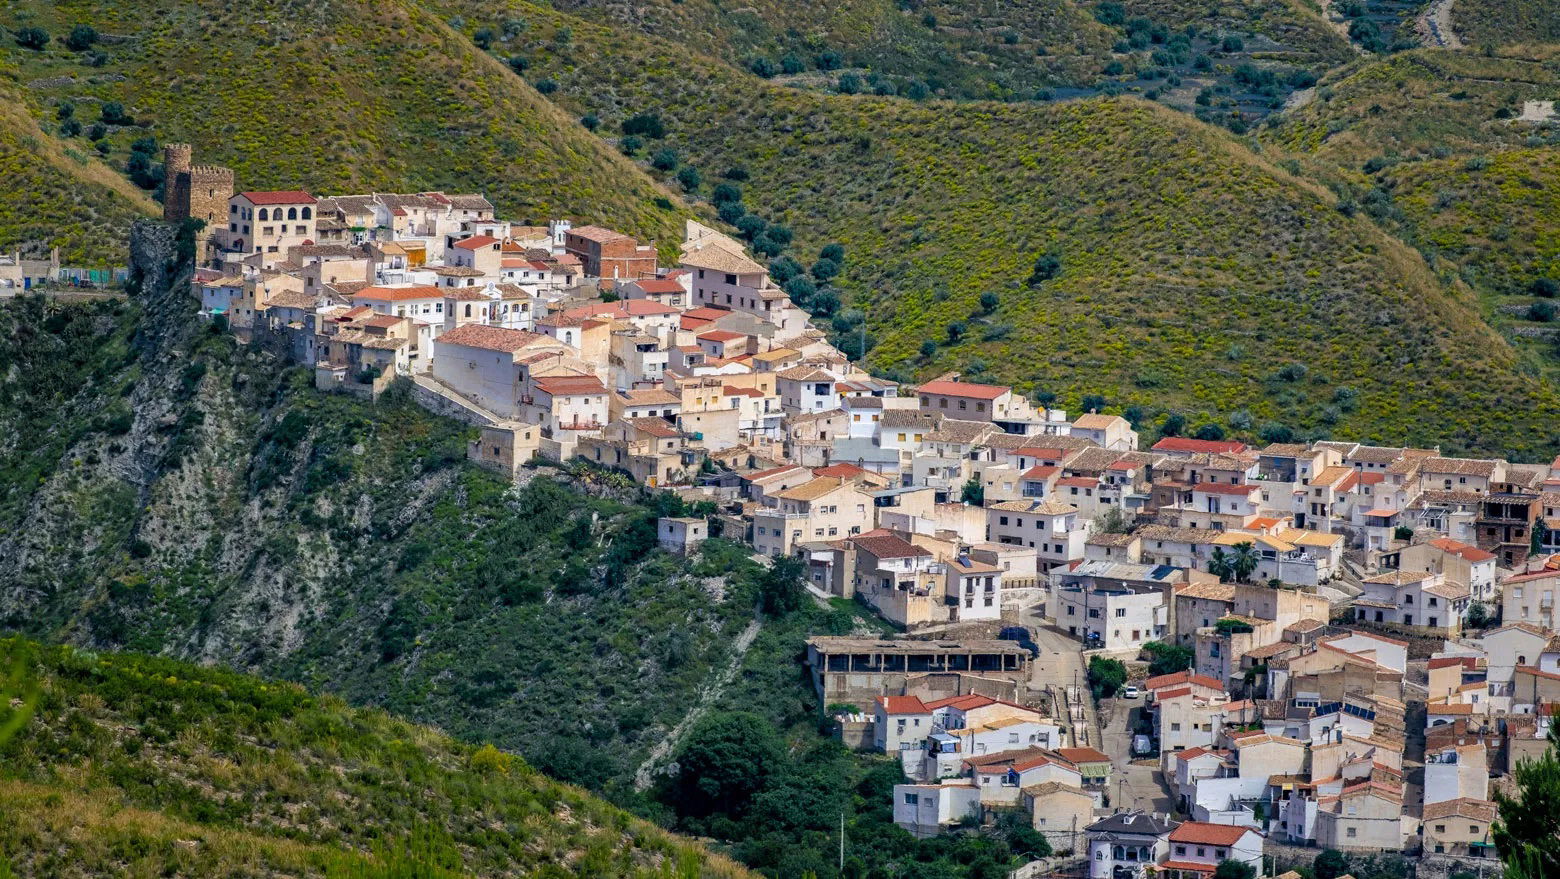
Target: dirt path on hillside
[1434,26]
[712,691]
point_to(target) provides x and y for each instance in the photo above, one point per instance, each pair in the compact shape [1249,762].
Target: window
[1352,832]
[912,799]
[1121,612]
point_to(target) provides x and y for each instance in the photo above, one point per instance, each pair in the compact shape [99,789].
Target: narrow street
[1135,785]
[1061,665]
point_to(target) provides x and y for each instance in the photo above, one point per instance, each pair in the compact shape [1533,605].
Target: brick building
[604,253]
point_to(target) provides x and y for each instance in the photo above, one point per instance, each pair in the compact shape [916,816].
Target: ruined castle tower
[176,181]
[199,191]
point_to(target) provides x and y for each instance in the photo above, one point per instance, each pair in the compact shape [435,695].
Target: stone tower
[199,191]
[209,188]
[176,181]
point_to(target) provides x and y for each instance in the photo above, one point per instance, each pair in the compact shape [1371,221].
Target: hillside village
[1369,632]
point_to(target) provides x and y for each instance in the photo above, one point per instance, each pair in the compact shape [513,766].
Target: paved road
[1133,785]
[1059,666]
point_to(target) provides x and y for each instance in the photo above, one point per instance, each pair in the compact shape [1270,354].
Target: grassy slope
[1295,25]
[184,497]
[344,96]
[142,766]
[1474,191]
[968,49]
[1504,22]
[1178,245]
[1419,102]
[59,195]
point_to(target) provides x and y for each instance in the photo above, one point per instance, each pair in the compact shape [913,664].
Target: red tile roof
[721,336]
[1225,488]
[1201,833]
[1187,444]
[970,390]
[841,470]
[1083,755]
[476,241]
[279,196]
[1189,865]
[570,385]
[903,705]
[658,285]
[621,308]
[1186,676]
[889,547]
[488,338]
[398,294]
[966,702]
[1458,548]
[1076,481]
[1041,471]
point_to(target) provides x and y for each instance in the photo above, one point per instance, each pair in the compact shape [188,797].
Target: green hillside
[1192,271]
[164,490]
[1291,30]
[1422,103]
[59,195]
[1504,22]
[346,96]
[961,49]
[1428,144]
[139,766]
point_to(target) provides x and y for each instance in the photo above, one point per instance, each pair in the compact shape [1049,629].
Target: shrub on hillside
[646,125]
[35,38]
[81,38]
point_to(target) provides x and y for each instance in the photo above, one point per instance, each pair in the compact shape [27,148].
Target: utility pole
[842,840]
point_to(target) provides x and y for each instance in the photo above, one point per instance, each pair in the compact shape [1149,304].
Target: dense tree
[726,760]
[784,268]
[591,121]
[780,589]
[689,178]
[973,493]
[645,125]
[1230,868]
[989,301]
[825,303]
[1219,564]
[1209,431]
[833,251]
[1047,266]
[725,192]
[81,38]
[801,289]
[825,269]
[1106,676]
[34,38]
[1243,561]
[1330,864]
[1174,425]
[1168,658]
[928,348]
[1527,831]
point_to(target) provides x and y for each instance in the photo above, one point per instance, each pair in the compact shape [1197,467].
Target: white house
[1049,526]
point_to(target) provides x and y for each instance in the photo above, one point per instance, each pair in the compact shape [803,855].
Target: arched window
[468,309]
[305,213]
[263,214]
[292,213]
[1521,660]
